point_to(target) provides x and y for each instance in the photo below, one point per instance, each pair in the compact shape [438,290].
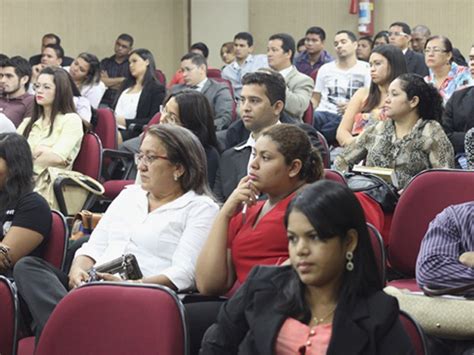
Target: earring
[349,264]
[175,176]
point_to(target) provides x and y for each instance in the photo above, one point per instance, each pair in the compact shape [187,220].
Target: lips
[304,266]
[39,98]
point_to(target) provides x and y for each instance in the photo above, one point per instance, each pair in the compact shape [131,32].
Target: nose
[254,163]
[302,247]
[244,106]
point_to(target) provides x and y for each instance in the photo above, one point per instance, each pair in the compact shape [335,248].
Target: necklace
[318,321]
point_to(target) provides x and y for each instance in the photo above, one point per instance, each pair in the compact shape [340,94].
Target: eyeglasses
[147,159]
[397,34]
[171,117]
[434,50]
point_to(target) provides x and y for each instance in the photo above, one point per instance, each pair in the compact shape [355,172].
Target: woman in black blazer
[140,96]
[332,289]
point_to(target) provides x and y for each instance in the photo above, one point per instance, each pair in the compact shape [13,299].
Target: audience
[49,38]
[400,36]
[410,141]
[336,83]
[15,103]
[52,56]
[309,61]
[280,53]
[364,48]
[198,48]
[140,96]
[381,38]
[115,69]
[194,70]
[419,35]
[366,107]
[85,71]
[25,217]
[444,74]
[330,299]
[244,62]
[54,131]
[164,223]
[227,53]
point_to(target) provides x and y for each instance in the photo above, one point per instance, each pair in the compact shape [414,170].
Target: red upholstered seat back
[425,196]
[334,175]
[55,250]
[116,318]
[379,252]
[89,159]
[106,128]
[8,306]
[415,333]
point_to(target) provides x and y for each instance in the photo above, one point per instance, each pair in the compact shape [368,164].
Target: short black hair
[57,48]
[246,36]
[315,30]
[3,58]
[275,87]
[287,43]
[53,35]
[126,37]
[196,58]
[22,67]
[403,25]
[201,47]
[349,34]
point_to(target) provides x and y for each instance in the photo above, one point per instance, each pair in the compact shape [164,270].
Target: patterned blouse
[425,147]
[458,77]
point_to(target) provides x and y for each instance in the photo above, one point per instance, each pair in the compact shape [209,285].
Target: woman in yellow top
[387,62]
[54,131]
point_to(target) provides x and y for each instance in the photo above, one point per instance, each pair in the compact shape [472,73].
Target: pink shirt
[298,338]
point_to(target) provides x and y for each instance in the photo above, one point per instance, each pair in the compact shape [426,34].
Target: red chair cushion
[114,187]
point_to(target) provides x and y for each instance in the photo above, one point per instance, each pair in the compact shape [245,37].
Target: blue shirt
[304,66]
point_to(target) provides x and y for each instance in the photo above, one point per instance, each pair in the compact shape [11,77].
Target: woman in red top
[242,237]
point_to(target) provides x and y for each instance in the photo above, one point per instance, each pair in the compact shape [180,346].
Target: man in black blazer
[400,36]
[262,102]
[194,68]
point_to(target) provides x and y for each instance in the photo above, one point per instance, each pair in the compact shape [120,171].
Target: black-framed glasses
[147,159]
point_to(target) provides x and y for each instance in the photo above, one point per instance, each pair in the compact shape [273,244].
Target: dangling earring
[349,264]
[175,176]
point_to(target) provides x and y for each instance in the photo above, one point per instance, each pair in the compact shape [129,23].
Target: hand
[109,277]
[5,260]
[467,258]
[104,74]
[244,193]
[77,277]
[35,70]
[341,107]
[121,121]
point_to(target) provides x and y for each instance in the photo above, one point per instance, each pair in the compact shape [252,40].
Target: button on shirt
[166,241]
[234,72]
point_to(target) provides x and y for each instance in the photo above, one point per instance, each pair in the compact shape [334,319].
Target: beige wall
[93,26]
[453,19]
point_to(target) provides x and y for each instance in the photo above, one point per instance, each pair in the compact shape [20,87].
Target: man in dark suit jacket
[400,36]
[262,101]
[194,68]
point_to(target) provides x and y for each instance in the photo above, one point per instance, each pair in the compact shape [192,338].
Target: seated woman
[366,107]
[330,299]
[227,53]
[283,162]
[85,71]
[411,140]
[25,217]
[445,75]
[54,131]
[164,223]
[141,94]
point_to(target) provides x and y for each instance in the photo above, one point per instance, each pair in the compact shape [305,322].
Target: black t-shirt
[30,211]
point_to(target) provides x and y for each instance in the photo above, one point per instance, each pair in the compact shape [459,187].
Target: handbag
[126,266]
[75,194]
[375,187]
[443,316]
[84,223]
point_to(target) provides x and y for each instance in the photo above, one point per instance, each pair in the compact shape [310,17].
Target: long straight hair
[63,99]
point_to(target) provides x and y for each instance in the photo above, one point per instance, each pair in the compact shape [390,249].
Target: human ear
[295,168]
[415,100]
[352,239]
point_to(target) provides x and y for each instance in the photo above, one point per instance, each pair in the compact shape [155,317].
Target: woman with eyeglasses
[164,222]
[54,130]
[444,73]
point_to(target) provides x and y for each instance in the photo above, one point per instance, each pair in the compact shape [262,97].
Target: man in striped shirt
[446,257]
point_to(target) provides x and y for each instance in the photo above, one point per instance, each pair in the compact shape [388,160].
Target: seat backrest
[376,241]
[326,154]
[154,120]
[229,85]
[427,194]
[116,318]
[8,320]
[55,249]
[308,115]
[213,73]
[414,332]
[160,76]
[334,175]
[106,128]
[89,159]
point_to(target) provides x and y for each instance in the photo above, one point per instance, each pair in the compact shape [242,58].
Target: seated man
[199,48]
[280,53]
[52,56]
[194,69]
[314,56]
[49,38]
[16,103]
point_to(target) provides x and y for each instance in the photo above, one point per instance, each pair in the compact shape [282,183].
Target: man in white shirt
[280,53]
[336,83]
[244,62]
